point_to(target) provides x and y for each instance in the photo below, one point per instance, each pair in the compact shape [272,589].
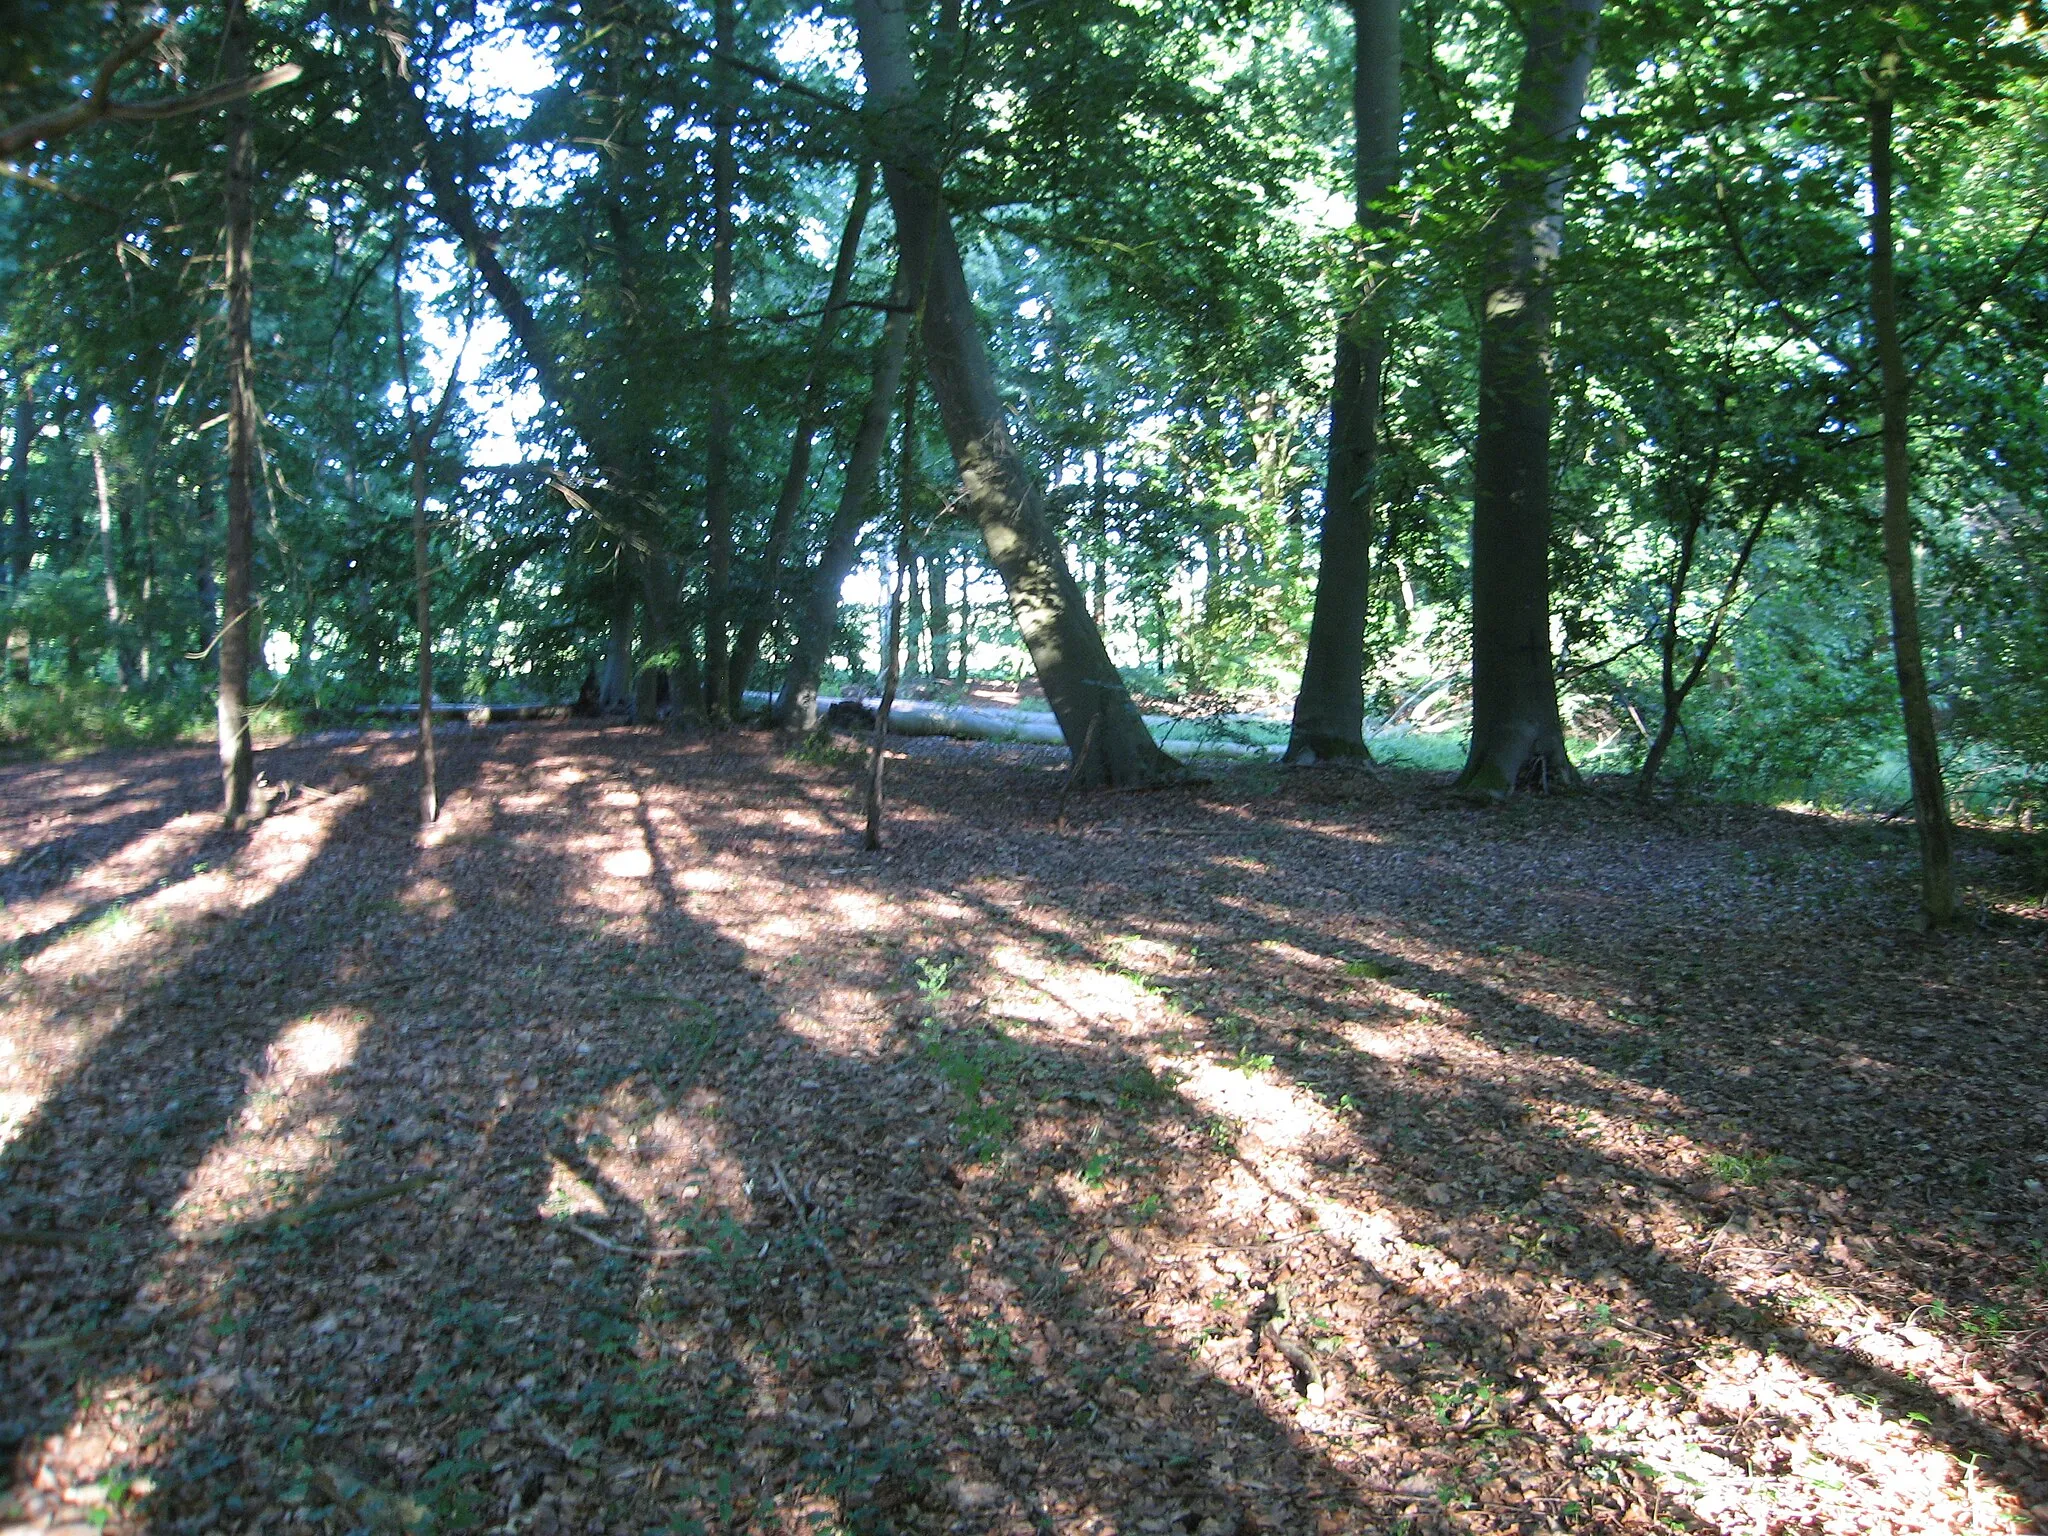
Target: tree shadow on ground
[728,1181]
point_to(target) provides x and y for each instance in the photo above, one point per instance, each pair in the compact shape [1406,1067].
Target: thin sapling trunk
[891,671]
[813,404]
[1923,750]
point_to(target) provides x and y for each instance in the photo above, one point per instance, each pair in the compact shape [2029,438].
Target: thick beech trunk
[1002,495]
[1329,711]
[237,756]
[811,410]
[1517,732]
[1923,750]
[718,444]
[797,706]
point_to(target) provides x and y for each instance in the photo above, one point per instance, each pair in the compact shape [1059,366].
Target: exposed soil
[1306,1152]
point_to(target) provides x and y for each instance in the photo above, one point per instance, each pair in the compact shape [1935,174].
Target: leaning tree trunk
[718,443]
[1923,752]
[797,706]
[1329,711]
[237,756]
[753,629]
[1517,732]
[1005,499]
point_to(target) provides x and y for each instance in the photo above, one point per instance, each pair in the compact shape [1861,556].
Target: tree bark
[892,670]
[797,706]
[1329,710]
[1923,749]
[718,445]
[422,435]
[938,617]
[1002,495]
[237,756]
[21,545]
[746,650]
[1517,731]
[615,689]
[110,570]
[906,511]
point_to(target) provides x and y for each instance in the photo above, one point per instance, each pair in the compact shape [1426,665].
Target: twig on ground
[284,1221]
[803,1218]
[690,1251]
[1295,1355]
[46,1237]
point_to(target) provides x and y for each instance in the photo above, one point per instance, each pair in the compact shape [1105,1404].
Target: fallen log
[966,722]
[475,714]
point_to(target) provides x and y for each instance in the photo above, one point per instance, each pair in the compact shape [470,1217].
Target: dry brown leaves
[1304,1154]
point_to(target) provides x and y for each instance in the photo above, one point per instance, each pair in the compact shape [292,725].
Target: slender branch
[1741,254]
[1962,312]
[762,73]
[51,126]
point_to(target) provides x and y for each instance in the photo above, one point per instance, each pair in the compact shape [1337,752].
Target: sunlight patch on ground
[1283,1118]
[669,1161]
[629,864]
[863,912]
[312,1047]
[65,1001]
[428,897]
[1791,1451]
[568,1194]
[15,1109]
[1032,988]
[270,1161]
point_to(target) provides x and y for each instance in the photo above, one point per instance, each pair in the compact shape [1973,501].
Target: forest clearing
[1298,1151]
[1015,769]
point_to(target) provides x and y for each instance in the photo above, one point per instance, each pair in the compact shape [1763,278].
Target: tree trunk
[906,507]
[797,706]
[1923,750]
[1517,732]
[615,688]
[110,565]
[237,757]
[422,435]
[892,669]
[21,544]
[814,402]
[423,616]
[1329,711]
[937,615]
[1098,529]
[1005,499]
[718,446]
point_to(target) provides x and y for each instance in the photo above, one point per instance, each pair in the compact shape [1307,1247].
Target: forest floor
[1302,1152]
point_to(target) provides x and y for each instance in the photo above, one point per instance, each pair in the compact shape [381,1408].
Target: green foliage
[77,715]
